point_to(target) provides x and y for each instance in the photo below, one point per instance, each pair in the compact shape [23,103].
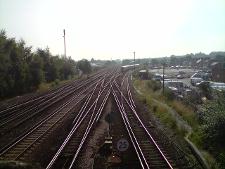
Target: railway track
[87,117]
[149,151]
[17,149]
[21,101]
[93,93]
[40,131]
[16,115]
[32,100]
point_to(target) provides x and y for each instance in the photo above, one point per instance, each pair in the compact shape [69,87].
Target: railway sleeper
[8,157]
[71,150]
[28,140]
[22,145]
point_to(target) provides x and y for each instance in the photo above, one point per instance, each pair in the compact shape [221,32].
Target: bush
[57,82]
[196,137]
[44,87]
[169,94]
[186,112]
[162,113]
[221,159]
[154,85]
[210,134]
[206,90]
[193,99]
[212,120]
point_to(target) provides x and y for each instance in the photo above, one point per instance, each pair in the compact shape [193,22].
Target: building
[143,74]
[218,71]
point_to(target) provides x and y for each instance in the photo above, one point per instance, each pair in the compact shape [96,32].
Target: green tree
[22,70]
[36,71]
[45,55]
[84,65]
[212,120]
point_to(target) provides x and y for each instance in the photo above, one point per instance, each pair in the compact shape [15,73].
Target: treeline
[198,59]
[22,70]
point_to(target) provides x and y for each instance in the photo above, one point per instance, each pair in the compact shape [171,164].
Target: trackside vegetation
[23,70]
[203,126]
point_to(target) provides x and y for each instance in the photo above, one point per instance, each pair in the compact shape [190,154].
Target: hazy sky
[106,29]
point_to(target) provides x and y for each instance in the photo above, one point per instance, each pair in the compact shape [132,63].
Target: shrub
[169,94]
[206,90]
[56,82]
[221,159]
[186,112]
[212,119]
[154,85]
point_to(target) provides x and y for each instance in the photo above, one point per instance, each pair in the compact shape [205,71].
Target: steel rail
[129,93]
[82,109]
[33,100]
[129,130]
[145,129]
[48,95]
[43,107]
[17,140]
[38,125]
[75,127]
[90,125]
[37,104]
[77,118]
[43,97]
[65,113]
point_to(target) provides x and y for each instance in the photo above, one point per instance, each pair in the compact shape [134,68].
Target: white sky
[106,29]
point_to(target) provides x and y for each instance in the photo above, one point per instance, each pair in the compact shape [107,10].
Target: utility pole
[134,60]
[163,76]
[64,36]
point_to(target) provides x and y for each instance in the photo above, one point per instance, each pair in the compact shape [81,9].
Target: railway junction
[94,123]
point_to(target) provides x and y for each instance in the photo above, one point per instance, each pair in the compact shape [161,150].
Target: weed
[186,112]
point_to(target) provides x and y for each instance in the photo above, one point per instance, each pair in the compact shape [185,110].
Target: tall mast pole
[134,60]
[163,77]
[64,36]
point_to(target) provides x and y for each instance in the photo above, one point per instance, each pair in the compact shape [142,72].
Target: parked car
[196,78]
[214,85]
[202,83]
[159,77]
[178,88]
[218,86]
[175,85]
[182,72]
[180,76]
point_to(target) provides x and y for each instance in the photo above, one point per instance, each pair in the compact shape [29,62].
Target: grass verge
[47,86]
[174,114]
